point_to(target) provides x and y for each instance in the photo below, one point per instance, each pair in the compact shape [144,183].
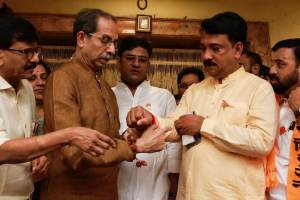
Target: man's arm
[63,111]
[257,138]
[173,149]
[254,139]
[26,149]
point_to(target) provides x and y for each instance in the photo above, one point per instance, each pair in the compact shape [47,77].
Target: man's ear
[238,47]
[1,57]
[80,39]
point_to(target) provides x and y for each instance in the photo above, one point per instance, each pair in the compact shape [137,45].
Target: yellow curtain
[165,65]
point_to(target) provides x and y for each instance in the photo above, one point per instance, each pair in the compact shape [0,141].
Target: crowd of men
[125,142]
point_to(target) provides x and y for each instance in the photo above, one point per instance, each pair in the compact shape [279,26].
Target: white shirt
[282,157]
[16,115]
[148,182]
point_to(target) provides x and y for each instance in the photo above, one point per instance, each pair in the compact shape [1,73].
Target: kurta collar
[231,77]
[144,84]
[4,85]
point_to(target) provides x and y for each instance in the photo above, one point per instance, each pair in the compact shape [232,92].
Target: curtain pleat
[165,64]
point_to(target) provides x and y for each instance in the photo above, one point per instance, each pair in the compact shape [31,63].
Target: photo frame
[143,23]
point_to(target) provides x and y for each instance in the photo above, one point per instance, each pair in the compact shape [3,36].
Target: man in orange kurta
[76,95]
[285,81]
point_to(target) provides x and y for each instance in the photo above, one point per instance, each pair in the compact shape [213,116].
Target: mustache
[208,63]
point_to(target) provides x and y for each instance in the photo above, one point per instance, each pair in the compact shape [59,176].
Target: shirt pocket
[235,113]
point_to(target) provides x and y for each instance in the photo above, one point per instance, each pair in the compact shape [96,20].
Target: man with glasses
[186,78]
[18,56]
[76,95]
[150,181]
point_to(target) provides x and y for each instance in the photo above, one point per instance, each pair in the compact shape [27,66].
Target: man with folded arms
[234,114]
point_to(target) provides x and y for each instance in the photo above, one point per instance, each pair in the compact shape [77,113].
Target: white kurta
[282,157]
[16,115]
[148,182]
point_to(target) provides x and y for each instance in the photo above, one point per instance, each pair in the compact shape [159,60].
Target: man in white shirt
[148,182]
[19,54]
[285,81]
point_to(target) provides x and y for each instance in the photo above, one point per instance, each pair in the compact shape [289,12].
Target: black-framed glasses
[29,52]
[185,85]
[105,39]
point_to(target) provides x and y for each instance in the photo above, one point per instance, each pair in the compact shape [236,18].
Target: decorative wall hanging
[142,4]
[143,23]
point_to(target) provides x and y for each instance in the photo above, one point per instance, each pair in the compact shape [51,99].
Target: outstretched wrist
[68,136]
[137,147]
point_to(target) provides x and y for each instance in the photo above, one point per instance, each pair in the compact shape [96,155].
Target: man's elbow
[264,149]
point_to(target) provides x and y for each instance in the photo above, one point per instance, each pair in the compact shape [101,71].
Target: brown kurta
[74,97]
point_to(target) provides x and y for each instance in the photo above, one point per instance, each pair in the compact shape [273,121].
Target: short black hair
[228,23]
[254,58]
[41,62]
[87,19]
[5,11]
[293,43]
[264,71]
[130,43]
[14,28]
[190,70]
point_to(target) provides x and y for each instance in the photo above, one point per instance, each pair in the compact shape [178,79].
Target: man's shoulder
[203,84]
[255,80]
[68,66]
[26,84]
[161,91]
[70,69]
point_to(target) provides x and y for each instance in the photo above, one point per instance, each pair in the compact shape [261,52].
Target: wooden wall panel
[166,33]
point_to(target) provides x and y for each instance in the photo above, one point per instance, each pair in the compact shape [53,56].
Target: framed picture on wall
[143,23]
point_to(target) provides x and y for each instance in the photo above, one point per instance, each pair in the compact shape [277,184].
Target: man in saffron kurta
[76,95]
[234,114]
[285,80]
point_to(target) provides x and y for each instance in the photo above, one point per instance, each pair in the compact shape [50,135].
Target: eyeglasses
[105,39]
[29,52]
[185,85]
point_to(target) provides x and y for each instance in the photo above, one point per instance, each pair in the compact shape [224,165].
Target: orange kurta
[74,97]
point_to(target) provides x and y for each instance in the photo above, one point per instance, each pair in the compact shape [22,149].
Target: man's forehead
[107,26]
[23,45]
[213,38]
[191,77]
[283,54]
[137,51]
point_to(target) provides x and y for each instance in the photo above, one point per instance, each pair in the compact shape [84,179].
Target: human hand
[39,168]
[138,117]
[152,140]
[90,141]
[189,124]
[294,99]
[131,135]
